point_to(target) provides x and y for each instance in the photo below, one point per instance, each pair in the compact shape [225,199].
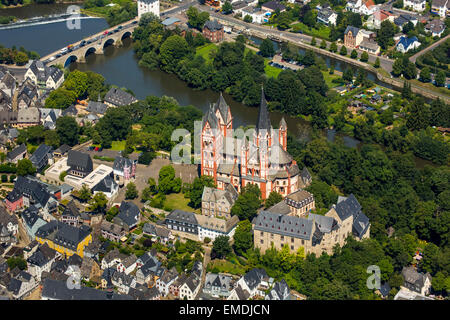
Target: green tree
[354,54]
[18,262]
[425,75]
[248,18]
[227,8]
[248,202]
[348,75]
[21,58]
[77,81]
[172,51]
[221,246]
[243,239]
[60,98]
[273,199]
[25,167]
[196,192]
[67,130]
[440,79]
[167,183]
[333,47]
[131,192]
[197,19]
[364,56]
[377,63]
[343,51]
[385,36]
[266,47]
[98,202]
[323,44]
[84,194]
[313,41]
[419,115]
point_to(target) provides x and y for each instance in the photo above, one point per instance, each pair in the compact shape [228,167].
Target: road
[179,8]
[206,260]
[296,38]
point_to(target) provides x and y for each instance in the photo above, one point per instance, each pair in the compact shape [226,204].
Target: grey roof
[324,14]
[413,277]
[16,152]
[58,290]
[40,153]
[63,234]
[263,122]
[324,224]
[277,155]
[129,213]
[121,162]
[214,195]
[274,5]
[254,277]
[6,218]
[63,149]
[43,255]
[182,216]
[107,184]
[70,110]
[210,118]
[280,291]
[31,188]
[347,207]
[29,115]
[119,97]
[213,25]
[283,224]
[281,208]
[353,30]
[43,72]
[96,107]
[156,230]
[241,293]
[80,159]
[223,107]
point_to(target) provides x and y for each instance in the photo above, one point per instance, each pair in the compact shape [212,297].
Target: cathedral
[237,158]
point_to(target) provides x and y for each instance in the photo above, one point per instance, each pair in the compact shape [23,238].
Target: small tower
[282,134]
[145,6]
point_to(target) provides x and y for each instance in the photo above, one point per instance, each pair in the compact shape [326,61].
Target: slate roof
[241,293]
[119,97]
[254,277]
[280,291]
[156,230]
[263,122]
[213,25]
[283,224]
[63,149]
[16,152]
[413,277]
[213,194]
[33,189]
[58,290]
[70,110]
[63,234]
[182,216]
[347,207]
[274,5]
[80,159]
[40,153]
[29,115]
[129,213]
[106,185]
[43,72]
[96,107]
[43,255]
[354,30]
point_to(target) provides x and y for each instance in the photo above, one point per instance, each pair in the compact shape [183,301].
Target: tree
[333,47]
[354,54]
[273,199]
[266,47]
[221,246]
[227,8]
[77,81]
[146,194]
[313,41]
[248,18]
[84,194]
[283,20]
[364,56]
[343,51]
[62,175]
[196,192]
[67,130]
[440,79]
[243,239]
[248,202]
[419,115]
[167,183]
[425,75]
[385,34]
[323,44]
[406,90]
[131,192]
[21,58]
[18,262]
[60,98]
[348,75]
[98,202]
[172,51]
[377,63]
[196,19]
[25,167]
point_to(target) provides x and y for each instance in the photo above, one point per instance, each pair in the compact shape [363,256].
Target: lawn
[323,32]
[329,78]
[178,201]
[205,50]
[271,71]
[225,266]
[118,145]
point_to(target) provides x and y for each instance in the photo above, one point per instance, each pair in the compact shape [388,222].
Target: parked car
[106,32]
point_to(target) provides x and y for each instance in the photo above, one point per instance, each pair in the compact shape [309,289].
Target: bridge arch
[90,51]
[69,60]
[126,34]
[108,42]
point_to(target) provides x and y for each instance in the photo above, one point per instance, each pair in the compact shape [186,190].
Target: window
[262,241]
[292,240]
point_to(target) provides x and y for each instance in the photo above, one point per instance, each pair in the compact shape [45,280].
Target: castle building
[260,158]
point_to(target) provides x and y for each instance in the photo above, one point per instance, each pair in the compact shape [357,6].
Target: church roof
[263,122]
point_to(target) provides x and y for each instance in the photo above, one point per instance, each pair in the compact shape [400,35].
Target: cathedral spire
[263,122]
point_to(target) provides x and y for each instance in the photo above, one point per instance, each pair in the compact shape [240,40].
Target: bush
[4,178]
[207,240]
[12,178]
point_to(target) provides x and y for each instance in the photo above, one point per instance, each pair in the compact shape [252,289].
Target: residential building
[28,95]
[32,221]
[370,46]
[65,239]
[263,161]
[404,19]
[158,233]
[183,221]
[213,31]
[280,291]
[405,294]
[352,37]
[148,268]
[71,215]
[368,8]
[112,231]
[439,7]
[9,227]
[272,6]
[41,260]
[218,285]
[116,97]
[258,15]
[405,44]
[124,168]
[80,163]
[41,157]
[163,283]
[61,151]
[436,27]
[416,5]
[145,6]
[252,284]
[106,185]
[378,17]
[112,259]
[353,5]
[21,285]
[128,264]
[129,215]
[122,281]
[217,202]
[90,270]
[28,117]
[212,227]
[18,153]
[190,288]
[43,76]
[327,16]
[416,281]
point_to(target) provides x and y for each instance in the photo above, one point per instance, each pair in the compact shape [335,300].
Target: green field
[323,32]
[118,145]
[328,79]
[205,50]
[271,71]
[178,201]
